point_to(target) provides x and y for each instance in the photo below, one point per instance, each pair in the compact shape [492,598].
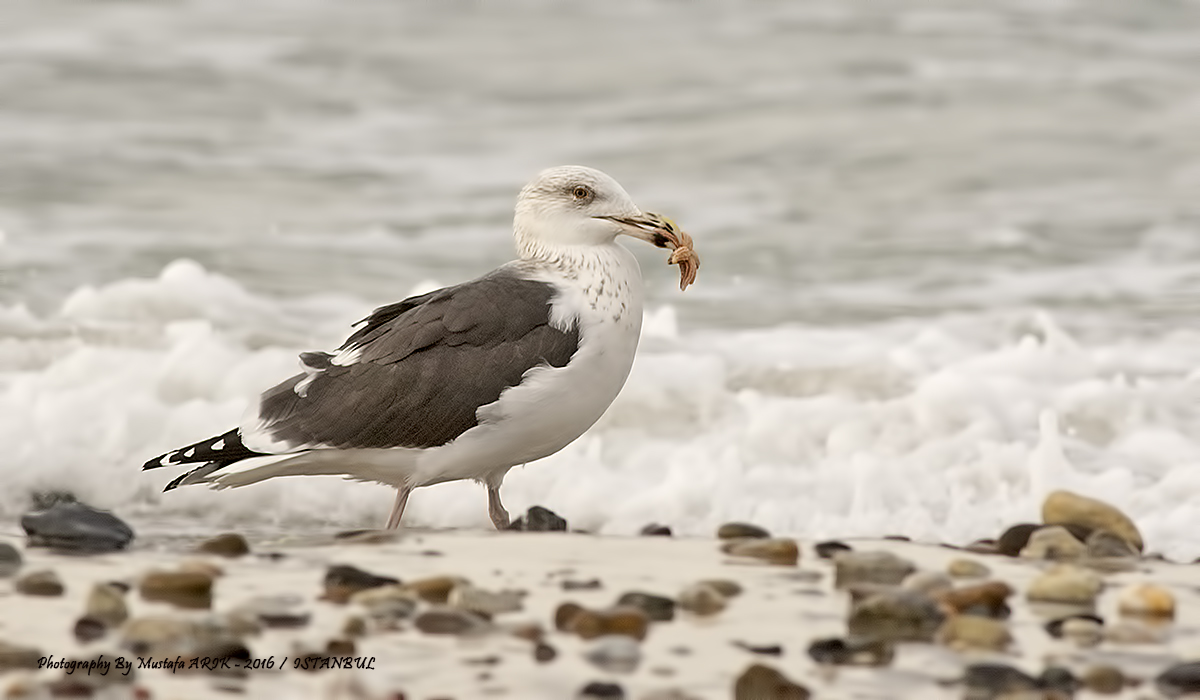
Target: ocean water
[951,251]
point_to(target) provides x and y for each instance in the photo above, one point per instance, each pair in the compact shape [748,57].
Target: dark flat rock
[76,528]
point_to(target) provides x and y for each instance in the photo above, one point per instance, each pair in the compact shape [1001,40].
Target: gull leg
[495,508]
[393,520]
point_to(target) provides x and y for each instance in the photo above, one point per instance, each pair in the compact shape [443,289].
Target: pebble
[870,567]
[852,652]
[964,632]
[828,548]
[760,682]
[390,593]
[1014,539]
[14,657]
[656,530]
[783,552]
[994,681]
[276,612]
[538,519]
[1135,631]
[1066,583]
[10,560]
[342,581]
[484,602]
[658,608]
[1083,632]
[601,691]
[967,568]
[1146,600]
[764,649]
[727,588]
[106,603]
[450,621]
[163,635]
[435,589]
[230,544]
[1055,627]
[1103,544]
[199,566]
[1104,680]
[76,527]
[543,653]
[1058,682]
[897,615]
[184,589]
[1054,543]
[733,531]
[40,583]
[614,653]
[1179,679]
[589,624]
[354,626]
[593,584]
[988,599]
[1066,507]
[931,583]
[89,629]
[701,599]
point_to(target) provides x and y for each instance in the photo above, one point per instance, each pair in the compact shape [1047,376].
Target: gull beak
[655,229]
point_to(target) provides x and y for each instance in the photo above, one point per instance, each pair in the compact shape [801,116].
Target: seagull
[468,381]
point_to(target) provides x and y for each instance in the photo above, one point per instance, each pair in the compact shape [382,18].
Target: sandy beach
[392,652]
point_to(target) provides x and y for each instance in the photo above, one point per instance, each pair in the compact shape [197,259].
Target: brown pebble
[988,598]
[200,566]
[1065,583]
[340,647]
[760,682]
[89,629]
[354,626]
[435,589]
[230,544]
[529,631]
[1014,539]
[450,621]
[185,589]
[40,583]
[967,568]
[565,614]
[624,620]
[1067,507]
[1104,680]
[780,551]
[731,531]
[544,653]
[656,530]
[964,632]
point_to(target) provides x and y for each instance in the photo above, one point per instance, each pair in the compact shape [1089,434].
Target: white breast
[600,288]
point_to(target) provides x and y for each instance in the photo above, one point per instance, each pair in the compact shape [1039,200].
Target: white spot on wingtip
[191,451]
[218,445]
[301,387]
[347,357]
[166,460]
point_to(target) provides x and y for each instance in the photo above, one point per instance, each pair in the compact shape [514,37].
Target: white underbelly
[552,406]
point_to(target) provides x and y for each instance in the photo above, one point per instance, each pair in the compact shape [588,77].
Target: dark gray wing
[425,365]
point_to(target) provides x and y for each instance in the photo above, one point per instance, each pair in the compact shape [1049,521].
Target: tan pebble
[784,552]
[928,582]
[1065,583]
[870,567]
[1102,544]
[1146,599]
[1134,631]
[963,632]
[727,588]
[487,603]
[1104,680]
[1053,543]
[988,598]
[230,544]
[384,594]
[529,631]
[435,589]
[701,599]
[967,568]
[40,583]
[1082,632]
[340,647]
[106,603]
[1066,507]
[354,626]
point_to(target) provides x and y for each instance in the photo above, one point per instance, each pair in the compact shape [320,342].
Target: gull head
[572,206]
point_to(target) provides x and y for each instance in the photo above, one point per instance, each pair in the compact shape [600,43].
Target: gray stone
[77,528]
[896,615]
[10,560]
[732,531]
[658,608]
[870,567]
[615,653]
[449,621]
[106,603]
[40,583]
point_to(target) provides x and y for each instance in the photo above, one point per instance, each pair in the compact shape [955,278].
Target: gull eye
[581,193]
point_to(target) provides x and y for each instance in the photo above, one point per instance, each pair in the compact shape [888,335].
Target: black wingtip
[160,461]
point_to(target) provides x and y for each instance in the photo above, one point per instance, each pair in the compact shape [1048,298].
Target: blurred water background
[951,250]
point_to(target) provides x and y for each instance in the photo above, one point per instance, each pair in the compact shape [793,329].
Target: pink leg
[393,521]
